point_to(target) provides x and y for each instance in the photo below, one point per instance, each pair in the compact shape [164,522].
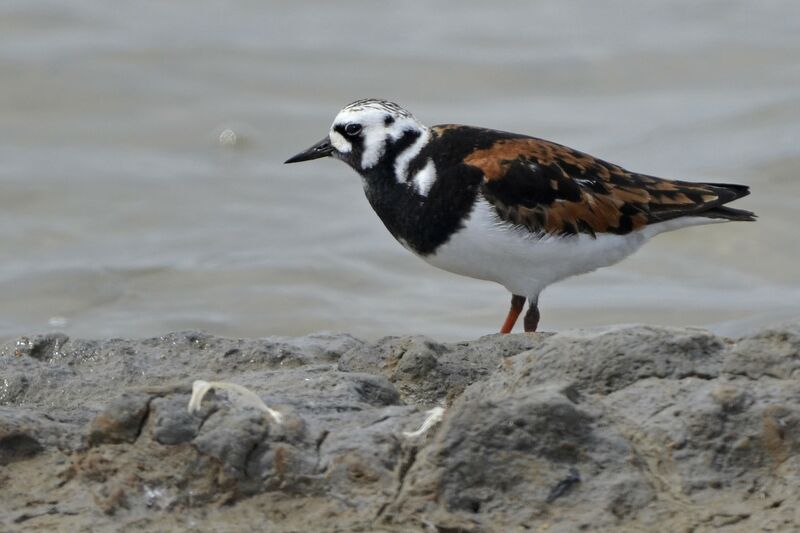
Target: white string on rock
[434,416]
[243,396]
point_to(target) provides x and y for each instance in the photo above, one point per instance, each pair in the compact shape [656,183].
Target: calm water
[123,214]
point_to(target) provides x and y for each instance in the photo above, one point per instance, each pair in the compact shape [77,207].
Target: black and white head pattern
[367,130]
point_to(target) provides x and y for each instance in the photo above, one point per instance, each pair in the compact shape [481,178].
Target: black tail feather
[729,192]
[735,190]
[729,213]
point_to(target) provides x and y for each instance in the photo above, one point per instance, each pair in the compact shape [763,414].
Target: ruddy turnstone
[521,211]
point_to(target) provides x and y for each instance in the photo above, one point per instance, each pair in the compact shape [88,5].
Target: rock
[41,347]
[121,421]
[601,362]
[625,428]
[24,434]
[773,352]
[426,372]
[172,422]
[17,447]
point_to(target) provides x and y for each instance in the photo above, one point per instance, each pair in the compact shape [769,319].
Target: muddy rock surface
[621,429]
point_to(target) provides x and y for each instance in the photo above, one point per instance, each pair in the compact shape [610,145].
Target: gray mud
[624,429]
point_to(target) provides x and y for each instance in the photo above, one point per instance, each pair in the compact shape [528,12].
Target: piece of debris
[564,485]
[243,396]
[435,416]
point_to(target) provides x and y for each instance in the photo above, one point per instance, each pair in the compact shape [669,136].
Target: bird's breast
[488,248]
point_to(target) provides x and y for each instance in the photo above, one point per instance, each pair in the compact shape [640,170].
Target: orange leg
[517,303]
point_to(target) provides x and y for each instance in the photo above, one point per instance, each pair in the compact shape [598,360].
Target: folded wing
[550,188]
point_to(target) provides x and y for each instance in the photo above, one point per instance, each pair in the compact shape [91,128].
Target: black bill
[321,149]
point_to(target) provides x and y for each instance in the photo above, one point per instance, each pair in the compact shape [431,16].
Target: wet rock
[604,361]
[773,352]
[232,436]
[428,372]
[24,434]
[121,421]
[18,446]
[173,424]
[41,347]
[625,428]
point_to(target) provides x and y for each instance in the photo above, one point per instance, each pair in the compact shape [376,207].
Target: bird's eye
[352,129]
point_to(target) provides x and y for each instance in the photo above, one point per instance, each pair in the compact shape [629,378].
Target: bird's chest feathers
[402,211]
[423,207]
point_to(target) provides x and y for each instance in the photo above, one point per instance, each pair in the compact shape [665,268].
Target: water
[123,214]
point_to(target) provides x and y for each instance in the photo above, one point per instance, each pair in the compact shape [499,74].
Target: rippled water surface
[123,214]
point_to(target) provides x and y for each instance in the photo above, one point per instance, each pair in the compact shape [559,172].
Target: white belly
[524,263]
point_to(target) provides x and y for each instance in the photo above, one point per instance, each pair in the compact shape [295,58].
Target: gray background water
[122,213]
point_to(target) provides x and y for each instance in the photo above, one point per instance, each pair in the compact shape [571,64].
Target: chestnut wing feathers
[547,187]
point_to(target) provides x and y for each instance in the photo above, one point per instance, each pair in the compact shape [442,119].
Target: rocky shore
[621,429]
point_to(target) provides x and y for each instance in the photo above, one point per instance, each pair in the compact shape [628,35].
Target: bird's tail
[728,192]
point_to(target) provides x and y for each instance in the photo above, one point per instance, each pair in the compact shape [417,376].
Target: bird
[514,209]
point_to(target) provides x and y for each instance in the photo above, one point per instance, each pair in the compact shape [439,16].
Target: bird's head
[367,133]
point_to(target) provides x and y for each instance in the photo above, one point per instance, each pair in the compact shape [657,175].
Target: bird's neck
[395,200]
[388,179]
